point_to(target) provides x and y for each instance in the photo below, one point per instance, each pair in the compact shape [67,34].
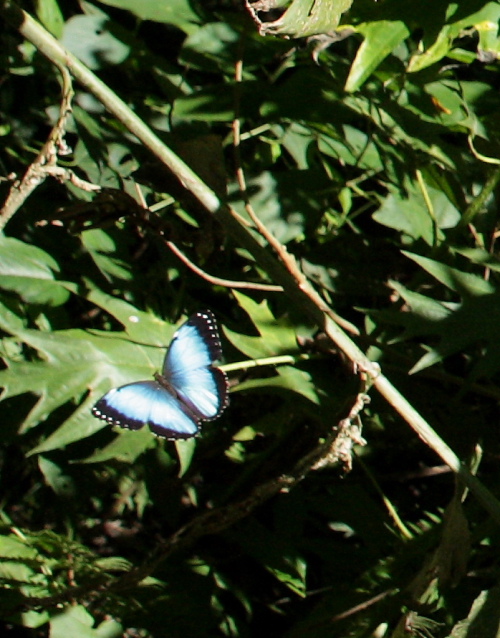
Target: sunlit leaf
[303,18]
[379,40]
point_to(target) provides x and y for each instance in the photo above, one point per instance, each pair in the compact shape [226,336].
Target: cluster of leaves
[371,153]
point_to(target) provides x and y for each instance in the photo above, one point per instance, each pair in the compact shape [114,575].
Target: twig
[287,259]
[46,159]
[67,175]
[217,281]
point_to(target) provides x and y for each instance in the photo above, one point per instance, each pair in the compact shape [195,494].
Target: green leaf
[49,14]
[88,38]
[185,452]
[62,484]
[213,47]
[290,379]
[29,271]
[276,336]
[353,147]
[177,12]
[462,282]
[423,309]
[140,326]
[207,105]
[14,547]
[483,21]
[472,322]
[304,18]
[103,249]
[126,447]
[75,620]
[380,40]
[409,213]
[483,618]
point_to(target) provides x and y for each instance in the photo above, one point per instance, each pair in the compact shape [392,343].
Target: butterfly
[188,391]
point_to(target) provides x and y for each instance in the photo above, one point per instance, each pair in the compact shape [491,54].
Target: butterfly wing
[147,402]
[188,367]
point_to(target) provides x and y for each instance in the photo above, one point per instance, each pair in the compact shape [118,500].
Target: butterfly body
[190,389]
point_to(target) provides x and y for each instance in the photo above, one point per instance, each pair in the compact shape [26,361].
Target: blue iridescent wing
[189,391]
[188,367]
[147,402]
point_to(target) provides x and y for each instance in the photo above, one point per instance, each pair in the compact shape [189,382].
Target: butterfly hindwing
[146,402]
[189,391]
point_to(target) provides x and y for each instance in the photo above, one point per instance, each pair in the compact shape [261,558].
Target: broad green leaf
[212,47]
[410,214]
[461,282]
[62,484]
[483,618]
[304,18]
[474,321]
[140,326]
[209,104]
[87,37]
[380,40]
[276,337]
[177,12]
[49,14]
[76,621]
[289,379]
[103,250]
[29,271]
[485,21]
[14,547]
[352,147]
[422,309]
[297,141]
[126,447]
[73,361]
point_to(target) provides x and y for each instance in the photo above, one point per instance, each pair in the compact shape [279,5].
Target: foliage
[371,154]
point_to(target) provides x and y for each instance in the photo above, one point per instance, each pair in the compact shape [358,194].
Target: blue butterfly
[189,390]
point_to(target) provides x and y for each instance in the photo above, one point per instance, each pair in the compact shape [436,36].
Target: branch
[217,281]
[45,161]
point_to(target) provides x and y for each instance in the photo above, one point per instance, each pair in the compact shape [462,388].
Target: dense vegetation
[330,192]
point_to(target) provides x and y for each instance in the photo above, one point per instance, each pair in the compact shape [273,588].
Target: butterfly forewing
[188,366]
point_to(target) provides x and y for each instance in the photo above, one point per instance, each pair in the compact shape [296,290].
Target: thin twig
[67,175]
[217,281]
[287,259]
[46,159]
